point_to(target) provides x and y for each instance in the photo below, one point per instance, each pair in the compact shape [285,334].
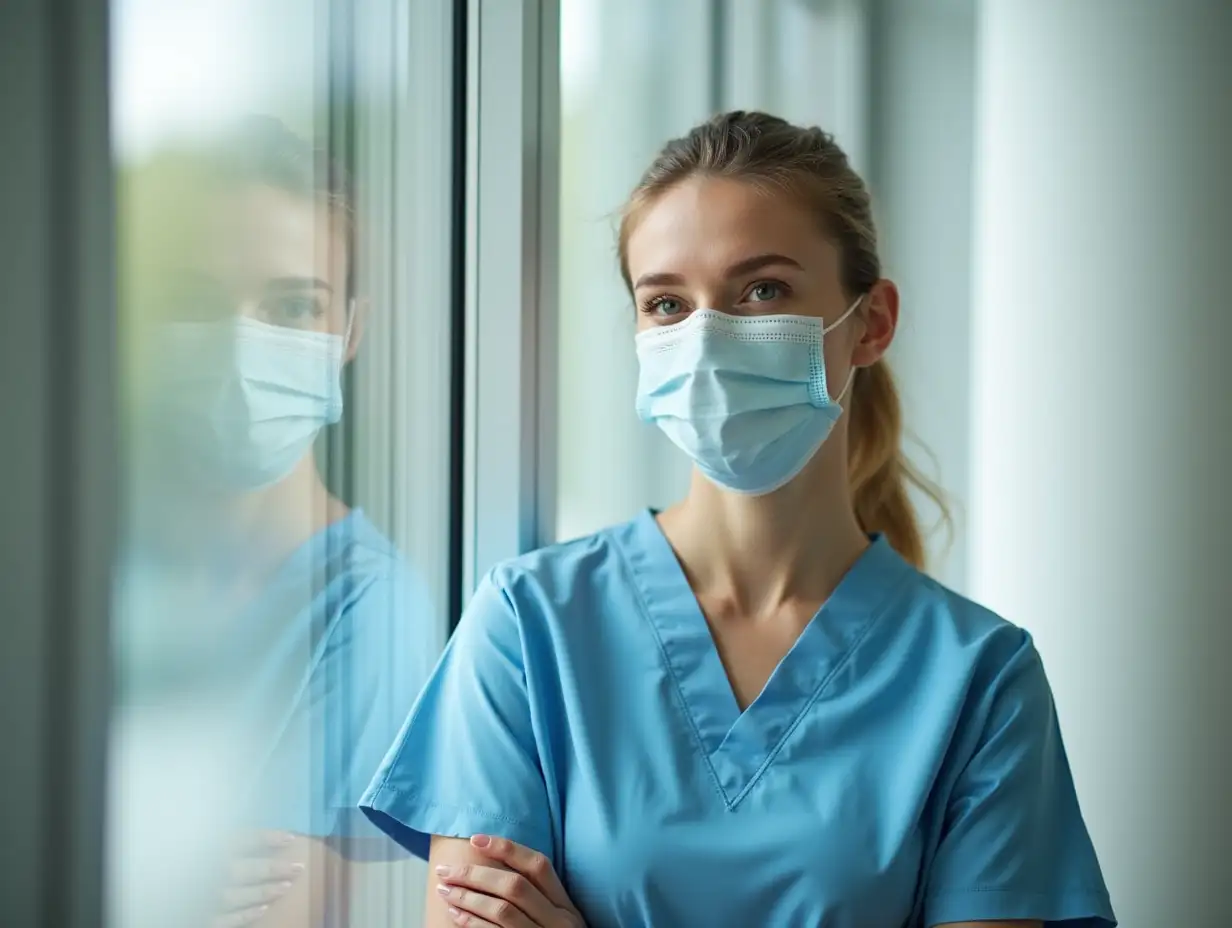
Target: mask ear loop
[851,374]
[843,318]
[851,378]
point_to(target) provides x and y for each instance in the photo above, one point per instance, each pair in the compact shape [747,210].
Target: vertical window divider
[512,256]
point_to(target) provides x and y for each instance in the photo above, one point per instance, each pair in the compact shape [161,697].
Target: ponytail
[878,470]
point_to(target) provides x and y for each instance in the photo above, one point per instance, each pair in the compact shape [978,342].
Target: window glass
[633,74]
[284,184]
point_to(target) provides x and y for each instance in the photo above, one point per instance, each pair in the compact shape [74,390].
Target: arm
[467,762]
[493,882]
[358,696]
[314,894]
[450,852]
[1013,844]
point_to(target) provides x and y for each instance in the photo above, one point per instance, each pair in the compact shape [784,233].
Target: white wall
[922,109]
[1100,425]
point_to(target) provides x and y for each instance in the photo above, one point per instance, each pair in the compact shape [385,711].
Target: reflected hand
[527,895]
[256,880]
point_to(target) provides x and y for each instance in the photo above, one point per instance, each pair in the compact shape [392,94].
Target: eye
[766,290]
[293,310]
[665,307]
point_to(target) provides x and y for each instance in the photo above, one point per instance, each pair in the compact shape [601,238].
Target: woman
[751,708]
[256,604]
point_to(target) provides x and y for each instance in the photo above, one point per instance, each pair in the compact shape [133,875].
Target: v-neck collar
[739,745]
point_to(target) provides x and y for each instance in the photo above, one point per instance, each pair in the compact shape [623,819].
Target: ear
[359,323]
[880,315]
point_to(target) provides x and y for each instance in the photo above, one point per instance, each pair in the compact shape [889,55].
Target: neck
[260,529]
[792,545]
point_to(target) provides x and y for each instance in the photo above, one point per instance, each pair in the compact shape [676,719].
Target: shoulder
[372,601]
[565,563]
[958,622]
[966,650]
[556,600]
[557,576]
[362,565]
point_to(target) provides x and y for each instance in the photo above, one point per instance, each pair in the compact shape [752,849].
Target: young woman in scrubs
[752,708]
[250,588]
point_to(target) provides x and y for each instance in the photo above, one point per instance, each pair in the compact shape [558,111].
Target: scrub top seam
[681,702]
[416,796]
[869,624]
[318,655]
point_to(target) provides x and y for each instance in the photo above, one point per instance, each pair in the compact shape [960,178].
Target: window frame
[59,518]
[513,168]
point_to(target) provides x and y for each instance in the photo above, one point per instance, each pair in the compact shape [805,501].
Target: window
[633,75]
[286,203]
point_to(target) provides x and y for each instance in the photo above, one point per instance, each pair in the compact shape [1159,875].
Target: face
[711,243]
[268,254]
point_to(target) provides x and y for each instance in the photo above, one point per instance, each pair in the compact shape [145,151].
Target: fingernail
[297,868]
[442,870]
[442,889]
[284,887]
[455,914]
[282,838]
[481,840]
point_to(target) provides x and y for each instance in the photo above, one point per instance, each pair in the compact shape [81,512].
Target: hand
[256,880]
[528,895]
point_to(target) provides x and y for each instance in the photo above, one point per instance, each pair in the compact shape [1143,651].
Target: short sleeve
[368,674]
[1013,844]
[466,761]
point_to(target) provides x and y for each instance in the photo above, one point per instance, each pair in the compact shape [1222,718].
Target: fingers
[250,871]
[504,886]
[241,919]
[480,910]
[255,885]
[258,842]
[531,864]
[247,897]
[469,920]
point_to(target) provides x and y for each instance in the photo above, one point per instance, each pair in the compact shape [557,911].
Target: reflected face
[268,254]
[711,243]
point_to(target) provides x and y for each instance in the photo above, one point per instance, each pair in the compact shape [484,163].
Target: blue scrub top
[902,766]
[312,676]
[336,683]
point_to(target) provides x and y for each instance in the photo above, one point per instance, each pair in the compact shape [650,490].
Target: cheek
[335,320]
[643,322]
[839,349]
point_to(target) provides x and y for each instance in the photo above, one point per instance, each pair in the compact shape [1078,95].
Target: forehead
[263,231]
[718,221]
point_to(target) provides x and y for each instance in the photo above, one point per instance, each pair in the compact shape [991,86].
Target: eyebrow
[298,283]
[740,268]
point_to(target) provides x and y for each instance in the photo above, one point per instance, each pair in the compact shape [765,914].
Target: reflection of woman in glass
[752,708]
[249,583]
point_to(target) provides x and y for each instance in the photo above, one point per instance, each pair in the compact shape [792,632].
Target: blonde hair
[768,151]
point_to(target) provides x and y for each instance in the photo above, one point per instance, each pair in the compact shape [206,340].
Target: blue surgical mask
[744,396]
[241,401]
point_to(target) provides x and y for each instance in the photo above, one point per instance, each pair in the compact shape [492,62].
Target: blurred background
[417,199]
